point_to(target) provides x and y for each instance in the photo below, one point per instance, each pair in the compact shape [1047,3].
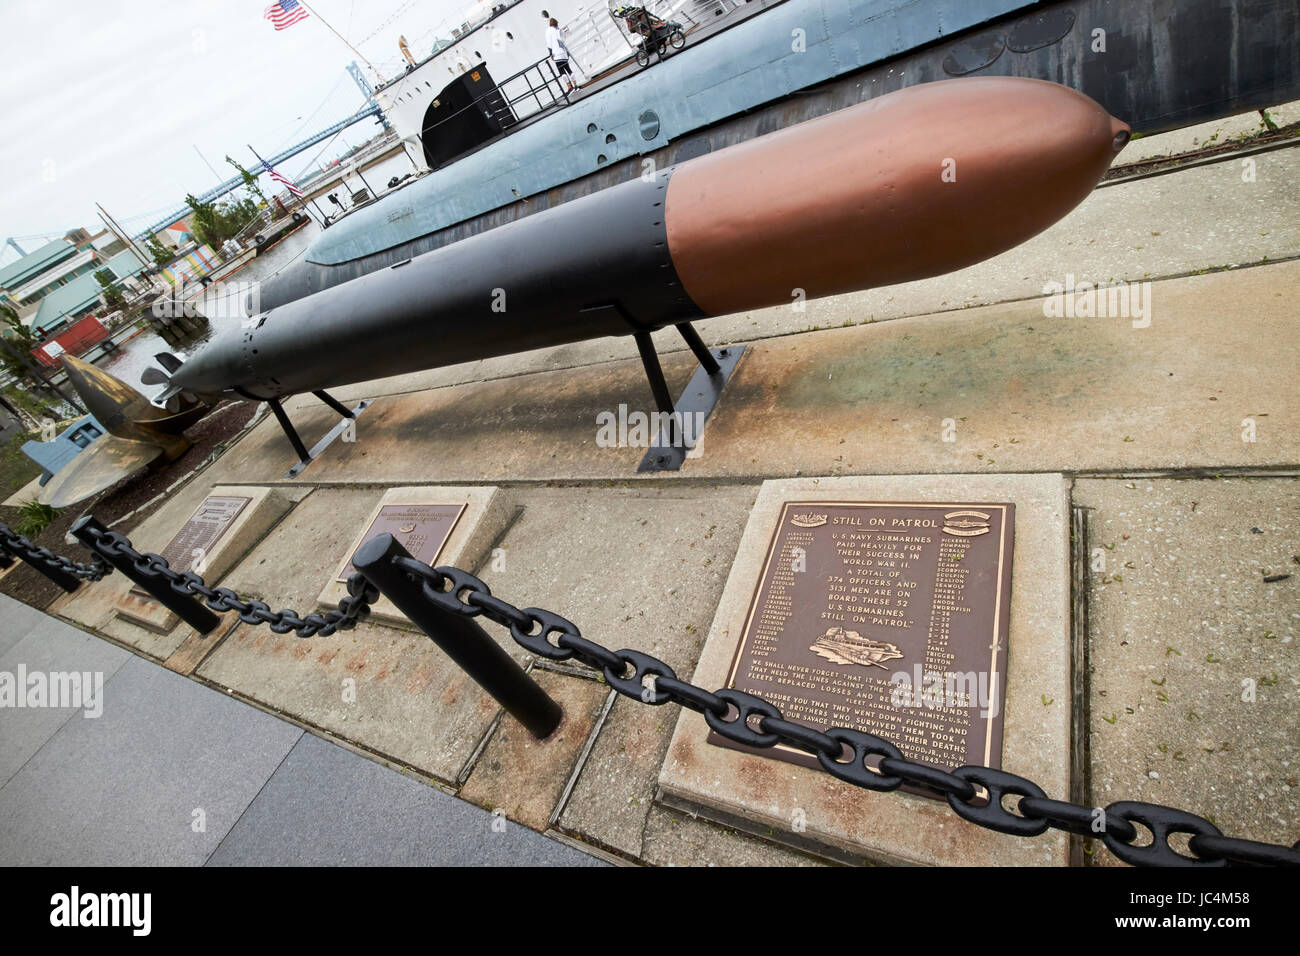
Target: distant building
[55,286]
[81,297]
[38,274]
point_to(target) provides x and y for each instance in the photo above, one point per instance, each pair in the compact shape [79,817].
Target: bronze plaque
[200,534]
[886,618]
[420,529]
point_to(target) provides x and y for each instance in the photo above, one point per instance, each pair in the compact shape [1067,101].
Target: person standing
[559,52]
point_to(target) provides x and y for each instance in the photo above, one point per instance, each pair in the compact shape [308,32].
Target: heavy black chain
[976,794]
[19,545]
[352,609]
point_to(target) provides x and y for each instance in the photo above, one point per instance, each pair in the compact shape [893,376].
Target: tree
[18,338]
[215,223]
[161,253]
[250,181]
[113,296]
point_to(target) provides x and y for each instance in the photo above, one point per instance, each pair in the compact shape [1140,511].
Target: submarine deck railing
[501,102]
[446,603]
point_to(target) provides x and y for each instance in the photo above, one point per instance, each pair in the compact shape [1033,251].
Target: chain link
[352,609]
[20,546]
[974,793]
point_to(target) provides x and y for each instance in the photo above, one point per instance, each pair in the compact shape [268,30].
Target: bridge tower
[367,91]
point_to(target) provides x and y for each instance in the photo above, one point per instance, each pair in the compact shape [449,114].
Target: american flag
[283,14]
[287,184]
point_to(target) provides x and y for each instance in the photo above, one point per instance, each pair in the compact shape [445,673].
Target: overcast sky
[105,100]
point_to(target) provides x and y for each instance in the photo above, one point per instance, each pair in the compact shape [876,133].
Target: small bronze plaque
[886,618]
[194,542]
[420,529]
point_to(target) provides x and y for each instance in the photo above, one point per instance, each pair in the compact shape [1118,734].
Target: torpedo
[910,185]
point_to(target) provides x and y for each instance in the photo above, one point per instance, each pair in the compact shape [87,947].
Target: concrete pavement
[173,773]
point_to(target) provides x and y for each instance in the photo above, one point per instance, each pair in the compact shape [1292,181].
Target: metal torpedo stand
[305,457]
[670,448]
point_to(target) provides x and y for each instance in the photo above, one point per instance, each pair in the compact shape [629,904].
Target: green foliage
[34,517]
[160,252]
[214,223]
[250,181]
[19,338]
[112,294]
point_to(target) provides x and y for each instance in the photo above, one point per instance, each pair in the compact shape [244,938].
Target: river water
[223,302]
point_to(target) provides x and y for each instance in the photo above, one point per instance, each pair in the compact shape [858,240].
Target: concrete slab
[41,645]
[126,789]
[801,806]
[1193,656]
[674,838]
[1202,134]
[96,606]
[1016,391]
[194,647]
[523,777]
[252,513]
[287,567]
[653,564]
[325,806]
[392,692]
[487,512]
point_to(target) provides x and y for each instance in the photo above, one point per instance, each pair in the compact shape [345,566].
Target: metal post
[333,403]
[190,610]
[463,640]
[699,348]
[289,430]
[658,385]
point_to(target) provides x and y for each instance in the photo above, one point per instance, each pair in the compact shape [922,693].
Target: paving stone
[291,565]
[122,790]
[325,806]
[393,692]
[17,620]
[39,643]
[525,777]
[1194,658]
[674,838]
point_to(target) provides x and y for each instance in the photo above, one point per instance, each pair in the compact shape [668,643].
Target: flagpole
[341,37]
[266,168]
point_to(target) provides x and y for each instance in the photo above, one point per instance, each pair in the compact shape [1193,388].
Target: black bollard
[191,610]
[463,640]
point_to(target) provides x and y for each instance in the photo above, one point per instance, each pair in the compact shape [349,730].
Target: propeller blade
[154,376]
[168,361]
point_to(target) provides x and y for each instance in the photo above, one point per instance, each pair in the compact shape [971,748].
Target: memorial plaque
[200,534]
[421,529]
[886,618]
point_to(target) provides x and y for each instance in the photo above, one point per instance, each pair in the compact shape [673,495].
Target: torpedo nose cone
[909,185]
